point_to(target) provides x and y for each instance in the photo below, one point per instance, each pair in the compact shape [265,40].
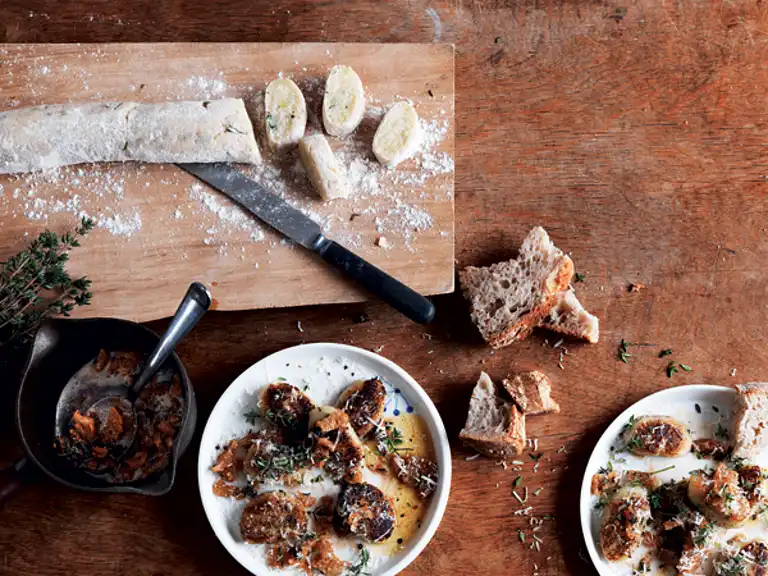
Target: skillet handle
[12,479]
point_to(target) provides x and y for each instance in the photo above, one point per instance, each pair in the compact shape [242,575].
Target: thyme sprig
[34,284]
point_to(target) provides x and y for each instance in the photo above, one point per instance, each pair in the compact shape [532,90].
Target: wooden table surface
[633,131]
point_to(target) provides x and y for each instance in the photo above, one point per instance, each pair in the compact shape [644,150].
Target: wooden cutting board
[158,229]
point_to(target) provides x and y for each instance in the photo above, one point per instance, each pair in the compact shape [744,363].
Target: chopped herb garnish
[703,533]
[517,481]
[280,379]
[271,122]
[698,408]
[665,352]
[623,352]
[281,460]
[671,369]
[521,536]
[358,569]
[231,129]
[629,424]
[535,457]
[251,416]
[721,432]
[282,417]
[607,469]
[538,491]
[389,439]
[686,367]
[634,443]
[667,469]
[578,277]
[601,503]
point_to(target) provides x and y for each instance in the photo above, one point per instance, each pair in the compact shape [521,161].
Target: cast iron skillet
[61,348]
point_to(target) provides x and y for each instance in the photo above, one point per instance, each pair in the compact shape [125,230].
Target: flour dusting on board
[384,203]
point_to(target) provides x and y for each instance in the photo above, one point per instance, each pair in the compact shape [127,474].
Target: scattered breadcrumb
[733,371]
[298,326]
[382,242]
[473,457]
[636,287]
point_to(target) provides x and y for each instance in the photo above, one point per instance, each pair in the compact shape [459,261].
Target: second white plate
[716,404]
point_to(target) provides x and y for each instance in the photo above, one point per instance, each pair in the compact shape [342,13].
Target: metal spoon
[196,302]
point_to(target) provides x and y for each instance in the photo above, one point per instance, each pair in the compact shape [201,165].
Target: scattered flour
[384,203]
[121,224]
[207,86]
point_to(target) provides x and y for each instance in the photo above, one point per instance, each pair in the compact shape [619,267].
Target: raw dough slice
[322,167]
[398,136]
[44,137]
[344,101]
[285,113]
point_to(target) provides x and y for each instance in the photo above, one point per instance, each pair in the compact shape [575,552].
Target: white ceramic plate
[326,369]
[717,404]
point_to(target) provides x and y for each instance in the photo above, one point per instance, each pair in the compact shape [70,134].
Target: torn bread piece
[508,299]
[531,392]
[569,317]
[494,427]
[751,429]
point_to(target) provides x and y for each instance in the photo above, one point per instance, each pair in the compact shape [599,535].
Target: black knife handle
[392,291]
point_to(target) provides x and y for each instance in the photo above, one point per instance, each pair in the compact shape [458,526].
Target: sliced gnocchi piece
[322,167]
[398,136]
[344,101]
[285,113]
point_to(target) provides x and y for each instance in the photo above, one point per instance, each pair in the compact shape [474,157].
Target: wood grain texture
[182,237]
[634,131]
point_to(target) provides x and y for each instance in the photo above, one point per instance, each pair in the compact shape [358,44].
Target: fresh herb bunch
[34,284]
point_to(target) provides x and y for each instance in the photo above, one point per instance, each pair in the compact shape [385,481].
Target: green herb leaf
[251,416]
[686,367]
[521,536]
[721,432]
[358,569]
[517,481]
[665,352]
[671,369]
[536,457]
[578,278]
[35,285]
[623,351]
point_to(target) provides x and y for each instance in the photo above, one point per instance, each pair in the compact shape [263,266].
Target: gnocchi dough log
[50,136]
[322,167]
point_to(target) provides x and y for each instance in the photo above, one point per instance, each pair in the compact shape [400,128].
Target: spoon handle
[196,302]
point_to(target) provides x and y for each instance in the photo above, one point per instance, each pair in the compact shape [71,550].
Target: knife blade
[292,223]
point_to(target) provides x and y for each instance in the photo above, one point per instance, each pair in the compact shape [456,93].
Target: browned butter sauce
[410,509]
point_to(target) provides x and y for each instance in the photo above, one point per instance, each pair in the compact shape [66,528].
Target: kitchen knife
[276,212]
